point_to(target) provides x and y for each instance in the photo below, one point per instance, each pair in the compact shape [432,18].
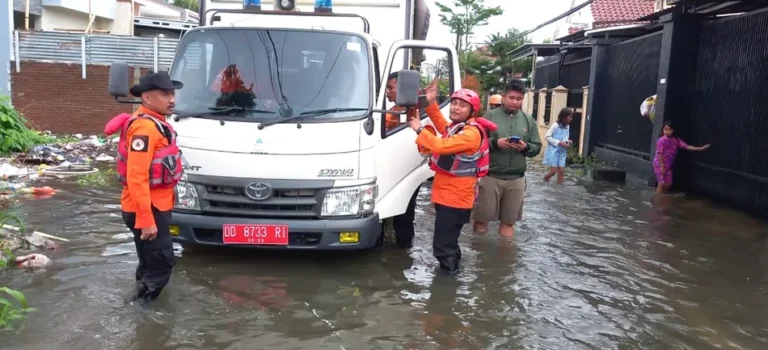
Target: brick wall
[55,97]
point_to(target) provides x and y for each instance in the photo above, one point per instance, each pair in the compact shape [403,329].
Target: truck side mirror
[118,80]
[408,86]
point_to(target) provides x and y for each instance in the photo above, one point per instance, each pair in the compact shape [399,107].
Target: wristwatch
[418,131]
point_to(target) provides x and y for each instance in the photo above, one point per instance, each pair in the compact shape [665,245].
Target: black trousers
[445,244]
[403,223]
[156,259]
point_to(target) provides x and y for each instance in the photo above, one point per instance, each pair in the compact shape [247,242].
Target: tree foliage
[464,16]
[500,45]
[492,66]
[470,82]
[192,5]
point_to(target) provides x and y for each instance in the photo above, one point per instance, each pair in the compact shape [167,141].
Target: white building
[120,17]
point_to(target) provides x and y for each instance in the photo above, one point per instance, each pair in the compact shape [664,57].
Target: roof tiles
[620,11]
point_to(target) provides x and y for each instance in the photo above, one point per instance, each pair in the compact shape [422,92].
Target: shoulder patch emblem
[140,143]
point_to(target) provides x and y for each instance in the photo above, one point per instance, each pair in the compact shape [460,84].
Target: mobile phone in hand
[514,139]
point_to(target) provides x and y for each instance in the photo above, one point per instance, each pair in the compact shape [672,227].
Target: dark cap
[155,81]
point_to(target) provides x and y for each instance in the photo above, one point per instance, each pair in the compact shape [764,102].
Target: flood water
[592,266]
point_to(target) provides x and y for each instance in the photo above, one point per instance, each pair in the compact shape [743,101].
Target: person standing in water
[459,157]
[403,223]
[502,192]
[149,166]
[558,140]
[666,152]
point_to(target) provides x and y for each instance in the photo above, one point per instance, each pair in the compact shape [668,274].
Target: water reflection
[592,266]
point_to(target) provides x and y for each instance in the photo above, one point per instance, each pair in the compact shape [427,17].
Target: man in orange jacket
[392,119]
[459,158]
[403,223]
[147,211]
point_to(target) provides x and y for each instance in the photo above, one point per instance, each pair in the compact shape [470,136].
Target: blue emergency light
[323,6]
[252,5]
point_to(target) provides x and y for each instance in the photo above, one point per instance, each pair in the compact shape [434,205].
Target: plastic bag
[648,108]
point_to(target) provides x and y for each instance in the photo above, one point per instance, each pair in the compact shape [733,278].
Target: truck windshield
[268,75]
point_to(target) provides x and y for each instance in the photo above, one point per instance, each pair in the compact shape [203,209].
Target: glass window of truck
[273,74]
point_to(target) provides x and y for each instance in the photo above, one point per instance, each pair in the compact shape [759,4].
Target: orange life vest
[460,165]
[166,167]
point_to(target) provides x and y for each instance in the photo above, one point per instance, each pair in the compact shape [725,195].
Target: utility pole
[26,16]
[6,41]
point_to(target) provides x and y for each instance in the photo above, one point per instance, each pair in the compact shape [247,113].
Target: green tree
[481,68]
[499,46]
[547,41]
[192,5]
[464,16]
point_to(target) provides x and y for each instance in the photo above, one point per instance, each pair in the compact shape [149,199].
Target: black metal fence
[575,68]
[730,111]
[570,70]
[631,74]
[547,73]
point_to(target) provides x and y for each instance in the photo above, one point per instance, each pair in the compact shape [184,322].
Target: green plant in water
[7,257]
[573,157]
[14,134]
[65,139]
[106,178]
[13,308]
[13,304]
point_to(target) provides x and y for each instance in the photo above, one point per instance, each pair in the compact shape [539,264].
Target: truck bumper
[193,229]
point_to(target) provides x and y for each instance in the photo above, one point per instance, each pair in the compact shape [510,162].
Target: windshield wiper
[310,114]
[217,111]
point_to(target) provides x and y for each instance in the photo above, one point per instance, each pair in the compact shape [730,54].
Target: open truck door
[400,168]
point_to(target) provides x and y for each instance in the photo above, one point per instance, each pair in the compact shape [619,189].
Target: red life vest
[166,168]
[461,165]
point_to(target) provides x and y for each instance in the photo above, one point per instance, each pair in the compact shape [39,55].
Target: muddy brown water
[593,266]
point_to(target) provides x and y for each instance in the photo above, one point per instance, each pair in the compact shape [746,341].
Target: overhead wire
[553,20]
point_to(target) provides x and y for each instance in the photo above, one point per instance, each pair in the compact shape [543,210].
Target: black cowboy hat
[155,81]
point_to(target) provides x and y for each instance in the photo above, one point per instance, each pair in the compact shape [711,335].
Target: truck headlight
[186,197]
[348,201]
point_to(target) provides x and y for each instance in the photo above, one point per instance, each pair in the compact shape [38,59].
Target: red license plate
[255,234]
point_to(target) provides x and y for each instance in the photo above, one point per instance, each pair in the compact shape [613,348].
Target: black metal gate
[630,75]
[730,111]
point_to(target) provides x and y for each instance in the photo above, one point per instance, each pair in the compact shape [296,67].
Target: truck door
[400,169]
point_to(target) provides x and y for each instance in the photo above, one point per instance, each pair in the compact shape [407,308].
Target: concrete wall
[59,18]
[101,8]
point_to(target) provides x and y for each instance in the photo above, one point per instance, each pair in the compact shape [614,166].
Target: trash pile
[67,156]
[21,174]
[13,241]
[71,150]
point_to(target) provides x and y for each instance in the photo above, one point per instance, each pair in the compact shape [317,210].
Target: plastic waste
[38,191]
[34,260]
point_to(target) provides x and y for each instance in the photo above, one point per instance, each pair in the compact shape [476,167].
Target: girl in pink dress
[666,151]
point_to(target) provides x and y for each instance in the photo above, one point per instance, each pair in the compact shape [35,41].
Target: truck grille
[290,199]
[219,200]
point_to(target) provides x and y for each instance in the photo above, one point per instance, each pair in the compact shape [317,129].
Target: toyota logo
[258,191]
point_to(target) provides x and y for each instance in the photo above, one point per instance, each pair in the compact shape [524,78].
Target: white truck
[295,153]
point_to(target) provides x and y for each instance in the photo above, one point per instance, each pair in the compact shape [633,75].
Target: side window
[376,69]
[432,64]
